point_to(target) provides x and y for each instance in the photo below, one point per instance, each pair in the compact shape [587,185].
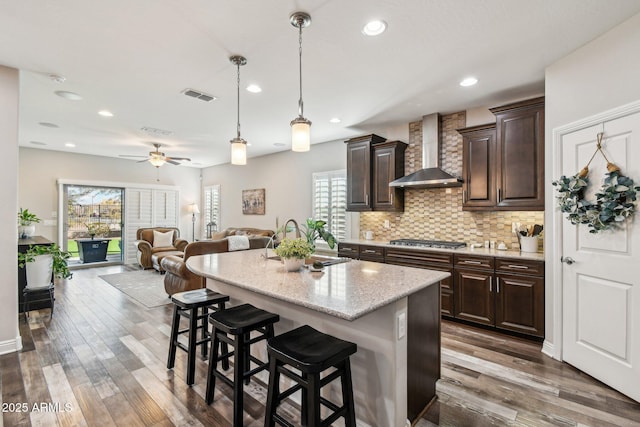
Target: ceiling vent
[155,131]
[199,95]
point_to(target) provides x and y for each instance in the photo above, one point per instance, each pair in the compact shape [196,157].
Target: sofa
[178,278]
[150,254]
[242,231]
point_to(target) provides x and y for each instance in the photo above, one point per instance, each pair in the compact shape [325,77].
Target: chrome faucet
[273,238]
[284,228]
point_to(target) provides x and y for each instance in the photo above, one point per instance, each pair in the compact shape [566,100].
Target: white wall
[9,92]
[599,76]
[39,171]
[286,178]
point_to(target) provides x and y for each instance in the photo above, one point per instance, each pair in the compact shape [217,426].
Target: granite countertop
[536,256]
[347,290]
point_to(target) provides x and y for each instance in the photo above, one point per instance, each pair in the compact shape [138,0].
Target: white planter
[293,264]
[39,272]
[529,243]
[26,231]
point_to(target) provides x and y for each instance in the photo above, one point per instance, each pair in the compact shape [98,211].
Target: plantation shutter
[330,201]
[211,210]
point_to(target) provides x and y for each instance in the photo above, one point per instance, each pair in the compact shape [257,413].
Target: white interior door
[601,288]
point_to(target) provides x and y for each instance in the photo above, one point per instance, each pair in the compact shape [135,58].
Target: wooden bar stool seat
[188,304]
[311,352]
[234,326]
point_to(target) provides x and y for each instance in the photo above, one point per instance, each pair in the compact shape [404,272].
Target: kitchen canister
[529,243]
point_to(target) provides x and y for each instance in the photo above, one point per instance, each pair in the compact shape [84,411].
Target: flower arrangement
[294,248]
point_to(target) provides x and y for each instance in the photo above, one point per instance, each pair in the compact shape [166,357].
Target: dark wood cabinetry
[372,164]
[388,165]
[509,295]
[478,166]
[520,155]
[371,253]
[348,250]
[503,163]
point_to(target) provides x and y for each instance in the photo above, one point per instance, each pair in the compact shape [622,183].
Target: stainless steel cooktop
[428,243]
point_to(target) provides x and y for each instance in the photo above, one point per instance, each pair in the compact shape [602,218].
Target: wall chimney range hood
[431,176]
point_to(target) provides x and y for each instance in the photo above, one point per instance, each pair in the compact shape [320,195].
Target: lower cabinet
[509,295]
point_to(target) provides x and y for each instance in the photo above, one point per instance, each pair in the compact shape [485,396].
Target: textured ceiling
[135,58]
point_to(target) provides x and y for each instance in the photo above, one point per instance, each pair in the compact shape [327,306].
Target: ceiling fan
[158,158]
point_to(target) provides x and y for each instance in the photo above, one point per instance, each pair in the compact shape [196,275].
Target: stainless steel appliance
[428,243]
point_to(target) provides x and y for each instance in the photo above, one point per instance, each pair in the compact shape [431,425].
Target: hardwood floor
[101,361]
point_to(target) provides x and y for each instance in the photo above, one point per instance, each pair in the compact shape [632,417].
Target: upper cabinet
[372,164]
[503,163]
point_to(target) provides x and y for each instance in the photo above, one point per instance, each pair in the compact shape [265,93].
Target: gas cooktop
[428,243]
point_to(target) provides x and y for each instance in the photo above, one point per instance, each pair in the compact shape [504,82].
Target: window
[211,215]
[330,201]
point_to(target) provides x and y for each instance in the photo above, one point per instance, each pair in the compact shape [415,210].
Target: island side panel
[379,368]
[423,358]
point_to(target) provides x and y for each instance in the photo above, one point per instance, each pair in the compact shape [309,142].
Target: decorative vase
[39,271]
[293,264]
[529,244]
[26,231]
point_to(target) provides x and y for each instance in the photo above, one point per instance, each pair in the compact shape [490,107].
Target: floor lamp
[193,208]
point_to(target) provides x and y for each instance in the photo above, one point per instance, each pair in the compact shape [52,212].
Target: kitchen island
[391,312]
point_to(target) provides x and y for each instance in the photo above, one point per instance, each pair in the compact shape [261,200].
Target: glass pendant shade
[238,151]
[157,161]
[300,135]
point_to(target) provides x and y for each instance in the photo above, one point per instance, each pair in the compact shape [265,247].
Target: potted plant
[26,220]
[293,252]
[97,229]
[315,229]
[43,261]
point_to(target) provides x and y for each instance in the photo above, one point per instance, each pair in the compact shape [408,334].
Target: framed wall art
[253,202]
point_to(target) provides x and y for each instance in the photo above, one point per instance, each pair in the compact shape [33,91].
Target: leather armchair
[146,250]
[178,278]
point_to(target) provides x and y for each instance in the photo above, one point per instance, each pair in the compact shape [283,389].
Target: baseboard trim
[549,349]
[9,346]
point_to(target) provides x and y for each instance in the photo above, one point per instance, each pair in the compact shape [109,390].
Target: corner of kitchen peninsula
[391,312]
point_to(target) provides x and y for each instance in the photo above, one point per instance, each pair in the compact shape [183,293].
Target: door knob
[568,260]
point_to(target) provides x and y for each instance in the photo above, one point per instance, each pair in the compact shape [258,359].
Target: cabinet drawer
[418,258]
[446,303]
[471,261]
[520,266]
[348,250]
[371,253]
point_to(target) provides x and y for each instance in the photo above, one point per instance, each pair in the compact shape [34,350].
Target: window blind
[330,201]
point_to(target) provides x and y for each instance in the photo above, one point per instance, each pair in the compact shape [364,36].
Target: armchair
[150,255]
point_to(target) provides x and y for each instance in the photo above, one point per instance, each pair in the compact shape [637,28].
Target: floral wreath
[614,203]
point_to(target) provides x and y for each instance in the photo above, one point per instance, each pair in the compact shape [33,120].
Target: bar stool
[237,322]
[187,304]
[311,352]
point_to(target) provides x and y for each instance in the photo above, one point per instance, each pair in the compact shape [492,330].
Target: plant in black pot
[94,250]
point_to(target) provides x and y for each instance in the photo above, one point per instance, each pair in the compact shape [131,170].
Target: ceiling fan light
[238,151]
[157,161]
[300,135]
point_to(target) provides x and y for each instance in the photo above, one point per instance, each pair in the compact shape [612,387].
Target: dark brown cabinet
[478,166]
[503,163]
[439,261]
[348,250]
[388,165]
[508,296]
[372,164]
[520,155]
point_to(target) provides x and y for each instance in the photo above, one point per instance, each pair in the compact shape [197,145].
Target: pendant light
[300,127]
[238,145]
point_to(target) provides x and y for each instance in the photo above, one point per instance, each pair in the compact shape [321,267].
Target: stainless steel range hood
[431,176]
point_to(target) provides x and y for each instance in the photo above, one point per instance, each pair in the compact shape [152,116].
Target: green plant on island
[60,257]
[316,229]
[294,248]
[27,218]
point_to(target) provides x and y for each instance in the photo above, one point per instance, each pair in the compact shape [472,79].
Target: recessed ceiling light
[105,113]
[71,96]
[253,88]
[69,144]
[374,28]
[335,120]
[48,125]
[37,143]
[469,81]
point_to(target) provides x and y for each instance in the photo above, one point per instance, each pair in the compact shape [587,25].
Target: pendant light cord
[238,97]
[300,104]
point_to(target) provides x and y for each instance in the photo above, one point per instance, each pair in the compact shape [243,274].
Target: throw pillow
[162,240]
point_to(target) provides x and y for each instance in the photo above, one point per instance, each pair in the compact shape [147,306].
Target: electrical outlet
[386,224]
[402,325]
[49,222]
[447,191]
[514,227]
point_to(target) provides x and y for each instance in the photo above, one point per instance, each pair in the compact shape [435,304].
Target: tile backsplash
[437,214]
